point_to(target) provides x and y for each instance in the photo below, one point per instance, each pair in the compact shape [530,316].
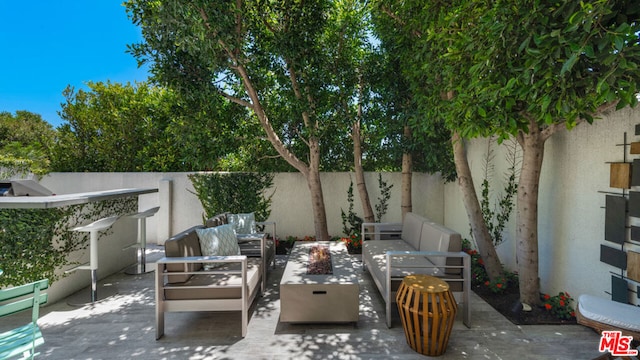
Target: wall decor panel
[615,219]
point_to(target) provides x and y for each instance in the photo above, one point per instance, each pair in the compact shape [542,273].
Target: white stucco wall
[291,206]
[571,204]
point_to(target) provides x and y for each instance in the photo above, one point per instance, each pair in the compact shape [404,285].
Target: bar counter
[47,202]
[109,250]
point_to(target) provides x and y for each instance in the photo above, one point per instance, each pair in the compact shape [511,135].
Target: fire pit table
[308,296]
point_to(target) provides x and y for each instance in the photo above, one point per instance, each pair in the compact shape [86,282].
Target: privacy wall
[573,190]
[291,202]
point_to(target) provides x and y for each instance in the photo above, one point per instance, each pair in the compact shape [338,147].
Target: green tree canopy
[525,69]
[25,140]
[116,127]
[293,65]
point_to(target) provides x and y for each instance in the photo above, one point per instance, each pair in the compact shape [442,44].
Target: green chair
[23,340]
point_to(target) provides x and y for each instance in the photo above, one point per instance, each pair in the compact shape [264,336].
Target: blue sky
[47,45]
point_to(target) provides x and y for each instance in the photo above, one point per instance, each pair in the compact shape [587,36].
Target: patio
[122,327]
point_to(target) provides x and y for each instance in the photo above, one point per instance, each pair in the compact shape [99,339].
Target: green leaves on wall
[37,243]
[234,193]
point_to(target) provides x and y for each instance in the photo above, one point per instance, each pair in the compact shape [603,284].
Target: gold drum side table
[427,310]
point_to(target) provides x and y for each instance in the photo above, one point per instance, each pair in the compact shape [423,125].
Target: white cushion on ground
[610,312]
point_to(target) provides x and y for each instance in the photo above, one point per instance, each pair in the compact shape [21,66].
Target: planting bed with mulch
[506,304]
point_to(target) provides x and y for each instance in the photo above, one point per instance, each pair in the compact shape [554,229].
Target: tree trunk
[478,227]
[527,214]
[310,171]
[360,183]
[315,187]
[407,173]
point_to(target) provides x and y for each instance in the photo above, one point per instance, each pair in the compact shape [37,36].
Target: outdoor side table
[427,310]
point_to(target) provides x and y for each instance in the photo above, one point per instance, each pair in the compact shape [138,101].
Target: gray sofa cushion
[217,286]
[436,237]
[375,252]
[412,229]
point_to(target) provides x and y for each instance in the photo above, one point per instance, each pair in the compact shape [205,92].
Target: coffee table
[306,298]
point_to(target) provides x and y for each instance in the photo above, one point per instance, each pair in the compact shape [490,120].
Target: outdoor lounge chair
[606,315]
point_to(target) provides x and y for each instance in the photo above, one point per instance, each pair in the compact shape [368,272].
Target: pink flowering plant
[560,305]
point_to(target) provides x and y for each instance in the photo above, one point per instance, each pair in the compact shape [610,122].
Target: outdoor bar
[107,252]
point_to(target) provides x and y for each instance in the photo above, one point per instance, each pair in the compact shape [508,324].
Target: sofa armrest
[202,259]
[465,267]
[381,231]
[162,264]
[466,259]
[272,224]
[255,237]
[240,302]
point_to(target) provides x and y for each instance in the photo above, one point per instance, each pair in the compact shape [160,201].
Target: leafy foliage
[25,139]
[295,66]
[497,219]
[383,199]
[524,69]
[115,127]
[508,64]
[479,275]
[37,243]
[351,222]
[560,305]
[234,193]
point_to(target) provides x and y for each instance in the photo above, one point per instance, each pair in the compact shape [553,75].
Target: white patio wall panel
[571,203]
[291,206]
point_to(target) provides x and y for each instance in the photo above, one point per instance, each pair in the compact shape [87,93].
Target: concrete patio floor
[123,327]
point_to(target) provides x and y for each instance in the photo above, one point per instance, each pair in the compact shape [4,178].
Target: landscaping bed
[505,303]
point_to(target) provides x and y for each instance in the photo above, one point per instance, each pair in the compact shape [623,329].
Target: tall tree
[116,127]
[426,151]
[525,69]
[281,60]
[25,140]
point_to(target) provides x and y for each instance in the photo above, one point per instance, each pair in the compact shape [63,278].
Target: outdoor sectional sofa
[391,251]
[186,280]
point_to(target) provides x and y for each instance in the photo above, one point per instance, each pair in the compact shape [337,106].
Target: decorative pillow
[219,240]
[243,223]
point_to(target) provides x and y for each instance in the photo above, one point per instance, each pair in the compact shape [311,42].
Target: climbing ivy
[497,217]
[383,199]
[37,243]
[351,222]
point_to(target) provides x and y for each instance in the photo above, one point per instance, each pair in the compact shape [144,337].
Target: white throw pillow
[243,223]
[219,240]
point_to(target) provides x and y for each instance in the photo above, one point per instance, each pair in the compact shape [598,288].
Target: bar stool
[141,244]
[93,229]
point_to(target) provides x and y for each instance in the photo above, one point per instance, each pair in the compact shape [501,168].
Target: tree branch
[237,100]
[400,22]
[296,90]
[553,128]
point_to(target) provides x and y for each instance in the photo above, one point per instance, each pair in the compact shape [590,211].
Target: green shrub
[237,192]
